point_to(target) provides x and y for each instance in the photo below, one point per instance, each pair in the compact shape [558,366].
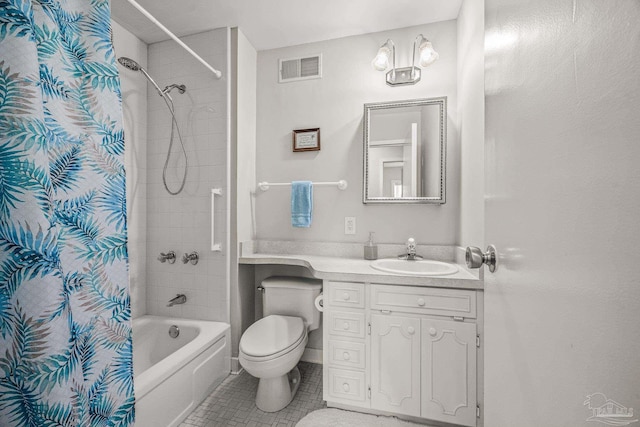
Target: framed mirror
[405,151]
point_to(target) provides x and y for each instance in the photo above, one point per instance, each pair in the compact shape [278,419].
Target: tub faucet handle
[193,258]
[169,256]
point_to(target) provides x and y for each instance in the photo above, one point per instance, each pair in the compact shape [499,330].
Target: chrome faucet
[179,299]
[410,255]
[192,258]
[169,256]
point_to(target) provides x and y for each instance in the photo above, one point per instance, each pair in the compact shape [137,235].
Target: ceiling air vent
[294,69]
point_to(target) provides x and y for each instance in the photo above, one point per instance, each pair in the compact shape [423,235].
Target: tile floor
[233,404]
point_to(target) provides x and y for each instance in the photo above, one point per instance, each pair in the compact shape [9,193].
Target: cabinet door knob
[345,326]
[346,355]
[346,387]
[411,330]
[345,296]
[433,332]
[421,302]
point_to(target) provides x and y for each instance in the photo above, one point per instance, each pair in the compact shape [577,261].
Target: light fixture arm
[393,54]
[417,42]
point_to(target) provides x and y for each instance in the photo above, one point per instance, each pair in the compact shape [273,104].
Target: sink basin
[422,267]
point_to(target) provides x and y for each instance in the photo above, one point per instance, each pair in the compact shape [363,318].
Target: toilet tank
[292,296]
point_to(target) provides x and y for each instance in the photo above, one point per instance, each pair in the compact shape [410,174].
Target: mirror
[405,151]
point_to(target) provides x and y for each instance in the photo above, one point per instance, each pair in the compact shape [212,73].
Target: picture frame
[306,140]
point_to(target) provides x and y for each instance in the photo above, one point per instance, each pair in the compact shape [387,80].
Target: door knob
[475,258]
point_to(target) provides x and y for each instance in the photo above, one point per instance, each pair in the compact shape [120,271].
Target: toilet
[271,348]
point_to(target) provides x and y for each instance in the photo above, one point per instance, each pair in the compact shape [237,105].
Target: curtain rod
[142,10]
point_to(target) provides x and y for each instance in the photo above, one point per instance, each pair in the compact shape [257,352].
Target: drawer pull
[411,330]
[346,355]
[345,326]
[345,296]
[433,332]
[421,302]
[346,387]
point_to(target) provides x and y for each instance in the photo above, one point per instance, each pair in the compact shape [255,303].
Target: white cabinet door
[395,364]
[449,371]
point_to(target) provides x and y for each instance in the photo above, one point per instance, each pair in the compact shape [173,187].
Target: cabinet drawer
[345,323]
[347,354]
[345,384]
[346,294]
[444,302]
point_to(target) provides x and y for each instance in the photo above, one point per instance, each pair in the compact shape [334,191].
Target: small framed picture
[306,140]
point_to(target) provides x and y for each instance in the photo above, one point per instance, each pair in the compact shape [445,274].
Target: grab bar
[215,247]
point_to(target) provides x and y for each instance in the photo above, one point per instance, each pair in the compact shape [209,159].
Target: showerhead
[134,66]
[129,63]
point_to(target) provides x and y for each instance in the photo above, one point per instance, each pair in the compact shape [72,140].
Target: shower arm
[152,18]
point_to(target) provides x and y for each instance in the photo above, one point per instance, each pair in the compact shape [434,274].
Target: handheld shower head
[129,63]
[132,65]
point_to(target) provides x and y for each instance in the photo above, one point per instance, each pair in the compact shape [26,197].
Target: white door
[562,161]
[449,371]
[395,364]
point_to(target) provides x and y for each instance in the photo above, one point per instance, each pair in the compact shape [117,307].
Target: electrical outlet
[349,225]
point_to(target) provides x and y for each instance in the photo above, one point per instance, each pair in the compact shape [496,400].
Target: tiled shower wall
[182,223]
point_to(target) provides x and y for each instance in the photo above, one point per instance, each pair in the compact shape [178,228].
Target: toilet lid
[271,334]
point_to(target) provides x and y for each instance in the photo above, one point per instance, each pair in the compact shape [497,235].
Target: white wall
[471,122]
[562,312]
[335,105]
[134,107]
[182,223]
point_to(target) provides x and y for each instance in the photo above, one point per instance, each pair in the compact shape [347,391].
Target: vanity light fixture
[406,75]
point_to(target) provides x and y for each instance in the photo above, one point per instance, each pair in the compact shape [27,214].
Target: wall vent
[295,69]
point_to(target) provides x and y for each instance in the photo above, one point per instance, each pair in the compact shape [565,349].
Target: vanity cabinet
[402,350]
[395,364]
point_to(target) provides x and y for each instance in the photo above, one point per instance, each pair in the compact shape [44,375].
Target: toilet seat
[272,336]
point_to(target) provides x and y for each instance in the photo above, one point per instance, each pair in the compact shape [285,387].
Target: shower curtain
[65,328]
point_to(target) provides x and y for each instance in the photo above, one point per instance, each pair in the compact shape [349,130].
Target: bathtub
[172,376]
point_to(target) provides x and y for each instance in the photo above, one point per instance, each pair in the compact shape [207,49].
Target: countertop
[359,270]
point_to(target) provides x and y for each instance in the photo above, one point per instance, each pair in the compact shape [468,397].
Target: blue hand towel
[301,203]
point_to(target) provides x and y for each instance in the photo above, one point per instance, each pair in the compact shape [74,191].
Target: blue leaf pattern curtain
[65,328]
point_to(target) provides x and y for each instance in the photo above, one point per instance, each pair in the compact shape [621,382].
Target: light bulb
[427,54]
[381,61]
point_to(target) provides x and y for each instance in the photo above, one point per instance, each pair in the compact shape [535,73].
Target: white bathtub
[172,376]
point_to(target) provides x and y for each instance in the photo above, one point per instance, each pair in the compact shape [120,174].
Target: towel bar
[264,185]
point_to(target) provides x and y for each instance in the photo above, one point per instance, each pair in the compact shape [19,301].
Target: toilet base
[276,393]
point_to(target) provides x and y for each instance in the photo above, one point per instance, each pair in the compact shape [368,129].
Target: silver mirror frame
[441,198]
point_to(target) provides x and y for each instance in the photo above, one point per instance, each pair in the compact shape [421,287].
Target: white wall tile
[182,223]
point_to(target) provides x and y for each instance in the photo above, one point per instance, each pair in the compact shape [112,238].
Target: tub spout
[179,299]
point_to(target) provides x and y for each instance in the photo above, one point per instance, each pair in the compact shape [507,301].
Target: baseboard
[312,355]
[236,368]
